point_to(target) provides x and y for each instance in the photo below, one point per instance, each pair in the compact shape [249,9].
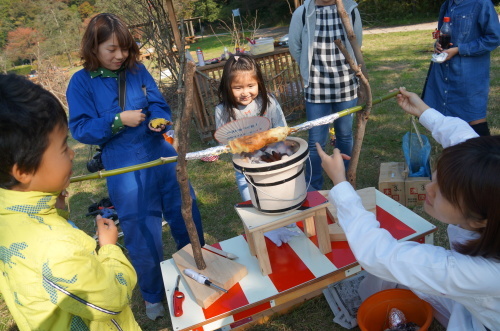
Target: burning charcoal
[272,153]
[255,157]
[267,157]
[276,156]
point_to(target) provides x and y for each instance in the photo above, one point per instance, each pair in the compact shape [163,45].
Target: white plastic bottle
[199,54]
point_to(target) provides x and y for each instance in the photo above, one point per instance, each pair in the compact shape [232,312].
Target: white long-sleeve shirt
[468,285]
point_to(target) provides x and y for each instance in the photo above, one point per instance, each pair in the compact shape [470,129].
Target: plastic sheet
[417,154]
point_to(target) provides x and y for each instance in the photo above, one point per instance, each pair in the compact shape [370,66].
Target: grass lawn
[393,60]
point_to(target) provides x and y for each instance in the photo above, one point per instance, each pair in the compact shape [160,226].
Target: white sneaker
[154,310]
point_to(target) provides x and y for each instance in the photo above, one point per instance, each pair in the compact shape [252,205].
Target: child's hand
[61,200]
[333,165]
[132,118]
[107,232]
[411,103]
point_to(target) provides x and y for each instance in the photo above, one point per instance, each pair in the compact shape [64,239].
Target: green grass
[393,60]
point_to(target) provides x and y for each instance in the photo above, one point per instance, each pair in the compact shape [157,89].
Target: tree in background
[210,10]
[21,44]
[59,26]
[86,9]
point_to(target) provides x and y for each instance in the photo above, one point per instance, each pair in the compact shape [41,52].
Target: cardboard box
[391,180]
[261,46]
[415,190]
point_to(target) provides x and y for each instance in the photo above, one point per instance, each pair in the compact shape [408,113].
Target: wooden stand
[313,212]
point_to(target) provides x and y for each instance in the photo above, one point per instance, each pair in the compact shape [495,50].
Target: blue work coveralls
[143,196]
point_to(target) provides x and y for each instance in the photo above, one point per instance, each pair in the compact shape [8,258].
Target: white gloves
[280,236]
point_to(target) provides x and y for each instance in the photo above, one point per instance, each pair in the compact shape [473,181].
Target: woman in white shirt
[462,283]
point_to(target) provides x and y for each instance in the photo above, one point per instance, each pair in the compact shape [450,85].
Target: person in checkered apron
[329,85]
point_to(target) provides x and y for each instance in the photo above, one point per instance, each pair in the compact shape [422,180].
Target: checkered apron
[330,79]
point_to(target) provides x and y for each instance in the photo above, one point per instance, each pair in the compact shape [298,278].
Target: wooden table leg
[321,224]
[262,254]
[250,242]
[309,227]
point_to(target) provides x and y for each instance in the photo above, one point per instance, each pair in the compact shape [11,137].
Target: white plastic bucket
[276,187]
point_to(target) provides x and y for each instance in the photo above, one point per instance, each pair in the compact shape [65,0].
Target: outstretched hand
[333,165]
[410,102]
[107,232]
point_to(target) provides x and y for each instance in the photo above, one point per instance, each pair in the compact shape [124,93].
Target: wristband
[117,124]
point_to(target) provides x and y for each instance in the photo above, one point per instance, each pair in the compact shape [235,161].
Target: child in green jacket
[51,276]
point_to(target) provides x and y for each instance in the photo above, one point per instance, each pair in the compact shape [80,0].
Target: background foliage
[53,27]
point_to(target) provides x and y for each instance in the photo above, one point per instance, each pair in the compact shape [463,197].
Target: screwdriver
[178,298]
[201,279]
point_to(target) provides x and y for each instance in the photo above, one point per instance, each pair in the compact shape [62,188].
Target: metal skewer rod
[224,148]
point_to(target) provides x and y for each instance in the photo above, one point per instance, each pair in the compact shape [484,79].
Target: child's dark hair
[468,175]
[100,28]
[28,114]
[235,65]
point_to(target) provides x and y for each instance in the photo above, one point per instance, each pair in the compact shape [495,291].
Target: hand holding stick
[411,103]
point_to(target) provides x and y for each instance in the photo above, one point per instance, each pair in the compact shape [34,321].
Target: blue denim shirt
[459,87]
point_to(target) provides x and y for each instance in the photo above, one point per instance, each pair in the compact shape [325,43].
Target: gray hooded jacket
[301,35]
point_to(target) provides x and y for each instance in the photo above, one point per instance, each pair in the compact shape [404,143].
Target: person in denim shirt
[459,86]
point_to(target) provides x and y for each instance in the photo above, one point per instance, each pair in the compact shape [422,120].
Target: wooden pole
[172,17]
[182,175]
[364,91]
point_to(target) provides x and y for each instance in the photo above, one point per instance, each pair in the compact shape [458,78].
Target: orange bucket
[373,314]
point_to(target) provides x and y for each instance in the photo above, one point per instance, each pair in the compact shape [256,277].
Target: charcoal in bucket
[280,186]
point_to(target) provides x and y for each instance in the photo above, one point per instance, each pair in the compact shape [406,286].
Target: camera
[95,164]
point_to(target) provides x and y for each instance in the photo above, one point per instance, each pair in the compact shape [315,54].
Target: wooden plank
[173,22]
[336,233]
[221,271]
[368,199]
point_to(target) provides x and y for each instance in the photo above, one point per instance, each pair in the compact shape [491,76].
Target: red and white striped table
[299,272]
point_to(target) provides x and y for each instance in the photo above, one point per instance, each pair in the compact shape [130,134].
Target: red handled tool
[178,298]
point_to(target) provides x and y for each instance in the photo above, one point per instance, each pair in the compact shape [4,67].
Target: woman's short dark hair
[101,27]
[235,65]
[468,175]
[28,114]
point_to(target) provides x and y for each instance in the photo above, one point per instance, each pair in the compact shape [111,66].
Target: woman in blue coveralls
[127,138]
[459,86]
